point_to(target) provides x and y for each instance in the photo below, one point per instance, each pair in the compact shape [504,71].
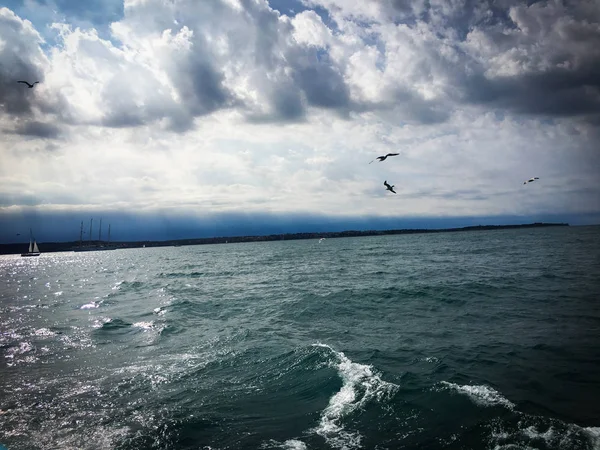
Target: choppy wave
[481,395]
[214,346]
[290,444]
[526,431]
[361,384]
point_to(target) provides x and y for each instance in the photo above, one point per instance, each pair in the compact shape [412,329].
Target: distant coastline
[49,247]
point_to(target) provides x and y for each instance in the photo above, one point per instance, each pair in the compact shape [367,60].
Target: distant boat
[33,248]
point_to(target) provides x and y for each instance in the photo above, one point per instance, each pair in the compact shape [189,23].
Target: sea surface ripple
[467,340]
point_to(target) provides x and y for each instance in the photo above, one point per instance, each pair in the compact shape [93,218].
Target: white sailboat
[33,247]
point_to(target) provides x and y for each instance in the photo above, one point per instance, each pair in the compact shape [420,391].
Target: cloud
[232,105]
[419,62]
[38,129]
[22,59]
[546,63]
[539,59]
[164,225]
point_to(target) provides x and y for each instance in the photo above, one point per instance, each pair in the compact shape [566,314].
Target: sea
[464,340]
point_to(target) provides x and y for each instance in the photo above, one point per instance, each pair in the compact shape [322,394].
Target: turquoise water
[471,340]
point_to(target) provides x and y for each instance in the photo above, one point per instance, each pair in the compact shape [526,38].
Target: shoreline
[52,247]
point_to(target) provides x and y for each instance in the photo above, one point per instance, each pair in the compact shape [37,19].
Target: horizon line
[69,245]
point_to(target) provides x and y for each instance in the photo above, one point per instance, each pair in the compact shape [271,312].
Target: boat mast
[81,234]
[100,231]
[91,220]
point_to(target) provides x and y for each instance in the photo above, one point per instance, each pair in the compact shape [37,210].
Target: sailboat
[98,246]
[33,248]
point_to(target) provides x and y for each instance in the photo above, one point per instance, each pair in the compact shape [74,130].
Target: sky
[185,118]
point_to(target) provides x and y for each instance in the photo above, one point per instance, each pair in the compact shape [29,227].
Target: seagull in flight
[382,158]
[28,85]
[531,180]
[388,187]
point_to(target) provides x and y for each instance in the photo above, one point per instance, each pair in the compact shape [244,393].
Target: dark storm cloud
[287,105]
[161,225]
[323,85]
[38,129]
[558,47]
[560,93]
[550,50]
[207,87]
[123,119]
[200,86]
[457,16]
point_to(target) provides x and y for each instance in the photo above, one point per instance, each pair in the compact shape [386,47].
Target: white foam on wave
[21,354]
[98,323]
[536,431]
[481,395]
[44,332]
[23,347]
[144,325]
[431,359]
[594,435]
[532,433]
[360,385]
[160,311]
[294,444]
[91,305]
[291,444]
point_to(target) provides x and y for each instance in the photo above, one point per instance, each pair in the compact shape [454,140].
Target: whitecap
[90,305]
[432,359]
[23,347]
[554,433]
[291,444]
[594,435]
[44,332]
[360,385]
[294,444]
[481,395]
[532,433]
[144,325]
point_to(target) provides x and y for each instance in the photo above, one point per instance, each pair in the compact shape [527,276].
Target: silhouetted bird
[28,85]
[382,158]
[531,180]
[388,187]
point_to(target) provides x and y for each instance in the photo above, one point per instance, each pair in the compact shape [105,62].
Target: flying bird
[28,85]
[388,187]
[531,180]
[382,158]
